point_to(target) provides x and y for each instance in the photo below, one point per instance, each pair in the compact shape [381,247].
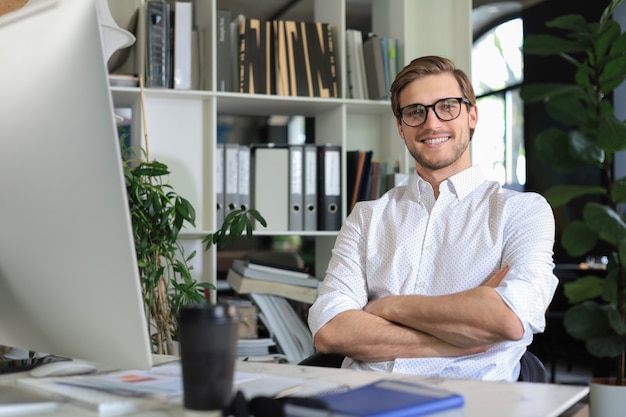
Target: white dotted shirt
[407,242]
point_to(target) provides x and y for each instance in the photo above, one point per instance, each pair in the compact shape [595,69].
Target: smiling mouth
[436,141]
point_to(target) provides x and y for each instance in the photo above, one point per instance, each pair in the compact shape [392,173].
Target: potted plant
[158,214]
[589,135]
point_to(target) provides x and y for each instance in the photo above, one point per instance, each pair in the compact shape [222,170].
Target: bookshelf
[182,125]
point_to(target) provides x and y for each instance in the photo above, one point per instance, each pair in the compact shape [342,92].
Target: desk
[483,399]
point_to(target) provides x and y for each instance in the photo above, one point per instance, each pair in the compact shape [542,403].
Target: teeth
[436,141]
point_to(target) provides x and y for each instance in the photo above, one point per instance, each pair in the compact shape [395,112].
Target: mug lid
[207,310]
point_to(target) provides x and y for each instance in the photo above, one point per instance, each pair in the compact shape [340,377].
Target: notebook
[384,398]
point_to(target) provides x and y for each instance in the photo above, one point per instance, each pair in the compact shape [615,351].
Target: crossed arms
[403,326]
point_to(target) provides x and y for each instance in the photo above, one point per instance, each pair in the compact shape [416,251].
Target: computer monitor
[69,283]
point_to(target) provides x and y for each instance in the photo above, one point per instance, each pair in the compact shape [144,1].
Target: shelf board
[256,104]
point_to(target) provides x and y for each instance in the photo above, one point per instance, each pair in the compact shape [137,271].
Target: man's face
[437,145]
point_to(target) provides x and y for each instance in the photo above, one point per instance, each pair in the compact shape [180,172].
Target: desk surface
[482,399]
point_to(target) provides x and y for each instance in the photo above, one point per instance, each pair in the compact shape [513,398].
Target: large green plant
[590,135]
[158,214]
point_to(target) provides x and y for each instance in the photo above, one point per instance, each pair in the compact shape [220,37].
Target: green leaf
[541,91]
[611,134]
[566,110]
[610,293]
[562,194]
[571,22]
[609,32]
[606,347]
[584,149]
[550,145]
[587,320]
[584,288]
[545,45]
[616,321]
[578,238]
[605,221]
[618,192]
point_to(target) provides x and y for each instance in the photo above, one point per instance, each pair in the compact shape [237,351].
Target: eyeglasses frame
[432,106]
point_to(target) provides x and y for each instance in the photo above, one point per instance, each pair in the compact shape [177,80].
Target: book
[223,40]
[254,347]
[384,398]
[375,68]
[158,60]
[250,269]
[244,285]
[292,335]
[182,24]
[257,74]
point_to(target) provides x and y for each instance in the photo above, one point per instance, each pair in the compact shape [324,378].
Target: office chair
[531,367]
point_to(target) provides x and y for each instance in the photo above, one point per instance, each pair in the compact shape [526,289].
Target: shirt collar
[461,184]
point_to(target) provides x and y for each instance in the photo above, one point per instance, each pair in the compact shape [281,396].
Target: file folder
[310,187]
[219,185]
[270,190]
[329,187]
[243,177]
[231,179]
[296,218]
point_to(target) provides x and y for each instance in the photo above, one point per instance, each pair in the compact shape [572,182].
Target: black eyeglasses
[445,109]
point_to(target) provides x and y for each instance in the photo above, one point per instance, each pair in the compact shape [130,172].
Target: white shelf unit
[182,125]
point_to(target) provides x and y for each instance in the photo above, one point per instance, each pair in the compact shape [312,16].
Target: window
[497,74]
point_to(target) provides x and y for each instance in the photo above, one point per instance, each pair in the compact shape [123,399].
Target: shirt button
[421,284]
[428,247]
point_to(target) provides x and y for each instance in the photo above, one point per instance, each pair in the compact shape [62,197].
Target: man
[450,275]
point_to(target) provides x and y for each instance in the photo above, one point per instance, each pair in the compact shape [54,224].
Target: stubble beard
[458,150]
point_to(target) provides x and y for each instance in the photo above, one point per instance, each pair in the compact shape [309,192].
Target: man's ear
[400,131]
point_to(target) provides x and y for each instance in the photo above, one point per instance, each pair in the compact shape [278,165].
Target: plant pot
[605,398]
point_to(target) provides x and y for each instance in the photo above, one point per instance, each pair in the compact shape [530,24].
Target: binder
[182,45]
[158,68]
[231,179]
[310,187]
[270,189]
[243,177]
[329,187]
[219,184]
[296,217]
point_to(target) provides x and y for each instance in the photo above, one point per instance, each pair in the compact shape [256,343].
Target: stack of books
[246,277]
[269,287]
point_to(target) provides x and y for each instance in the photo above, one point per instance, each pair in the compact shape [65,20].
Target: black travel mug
[207,336]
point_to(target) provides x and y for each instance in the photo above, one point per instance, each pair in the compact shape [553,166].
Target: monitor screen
[69,283]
